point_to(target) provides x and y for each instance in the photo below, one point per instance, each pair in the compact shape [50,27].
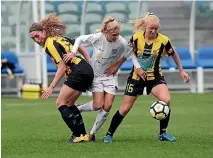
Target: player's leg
[102,115]
[68,115]
[110,88]
[79,120]
[126,106]
[161,92]
[98,97]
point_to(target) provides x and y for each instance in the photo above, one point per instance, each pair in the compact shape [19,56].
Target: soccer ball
[159,110]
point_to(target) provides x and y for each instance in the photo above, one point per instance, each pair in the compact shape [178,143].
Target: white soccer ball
[159,110]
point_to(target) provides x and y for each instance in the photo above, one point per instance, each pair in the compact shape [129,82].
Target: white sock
[100,119]
[86,107]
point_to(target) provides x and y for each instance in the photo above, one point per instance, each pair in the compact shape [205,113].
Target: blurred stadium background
[189,24]
[33,128]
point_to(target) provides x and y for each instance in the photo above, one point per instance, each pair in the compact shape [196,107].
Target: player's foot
[86,138]
[166,137]
[107,139]
[74,139]
[92,137]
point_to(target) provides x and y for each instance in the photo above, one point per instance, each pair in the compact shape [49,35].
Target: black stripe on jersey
[147,49]
[135,47]
[71,40]
[169,48]
[157,62]
[60,49]
[50,55]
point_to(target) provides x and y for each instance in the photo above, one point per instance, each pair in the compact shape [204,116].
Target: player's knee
[60,102]
[166,100]
[97,105]
[124,110]
[107,107]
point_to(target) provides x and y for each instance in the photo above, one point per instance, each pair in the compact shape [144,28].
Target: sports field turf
[34,129]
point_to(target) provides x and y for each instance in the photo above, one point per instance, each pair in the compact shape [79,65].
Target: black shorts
[81,77]
[136,87]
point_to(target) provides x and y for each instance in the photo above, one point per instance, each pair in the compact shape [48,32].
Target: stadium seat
[51,67]
[74,29]
[132,6]
[11,58]
[68,7]
[49,8]
[185,57]
[205,57]
[115,7]
[132,16]
[119,16]
[69,18]
[126,27]
[126,66]
[127,37]
[93,18]
[94,27]
[164,63]
[93,7]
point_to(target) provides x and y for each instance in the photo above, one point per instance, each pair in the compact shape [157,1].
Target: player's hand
[69,56]
[184,76]
[112,70]
[141,73]
[47,92]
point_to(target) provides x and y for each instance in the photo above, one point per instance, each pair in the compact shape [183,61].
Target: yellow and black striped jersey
[56,47]
[150,54]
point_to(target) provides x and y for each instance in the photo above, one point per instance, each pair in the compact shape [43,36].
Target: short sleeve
[169,49]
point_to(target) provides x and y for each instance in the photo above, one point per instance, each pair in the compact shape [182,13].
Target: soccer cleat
[74,139]
[166,137]
[107,139]
[86,138]
[92,137]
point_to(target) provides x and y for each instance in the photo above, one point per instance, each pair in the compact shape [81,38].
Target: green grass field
[34,129]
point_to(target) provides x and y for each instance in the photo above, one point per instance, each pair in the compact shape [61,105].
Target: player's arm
[112,70]
[171,51]
[55,51]
[85,39]
[84,52]
[59,73]
[131,55]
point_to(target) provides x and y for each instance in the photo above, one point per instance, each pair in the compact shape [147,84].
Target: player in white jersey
[110,51]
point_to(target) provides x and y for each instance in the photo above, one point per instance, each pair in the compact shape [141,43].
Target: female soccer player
[110,51]
[149,46]
[78,74]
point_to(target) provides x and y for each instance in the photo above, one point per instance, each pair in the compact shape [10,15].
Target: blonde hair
[52,25]
[109,24]
[140,24]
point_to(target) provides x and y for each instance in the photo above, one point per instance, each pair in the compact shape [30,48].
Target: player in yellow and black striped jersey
[150,58]
[149,45]
[49,33]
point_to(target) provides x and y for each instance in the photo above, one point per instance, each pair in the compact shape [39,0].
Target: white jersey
[105,53]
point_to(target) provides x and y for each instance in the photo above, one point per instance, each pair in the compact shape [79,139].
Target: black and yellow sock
[164,123]
[116,120]
[69,119]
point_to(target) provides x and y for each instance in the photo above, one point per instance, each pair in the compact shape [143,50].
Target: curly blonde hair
[140,24]
[109,24]
[51,24]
